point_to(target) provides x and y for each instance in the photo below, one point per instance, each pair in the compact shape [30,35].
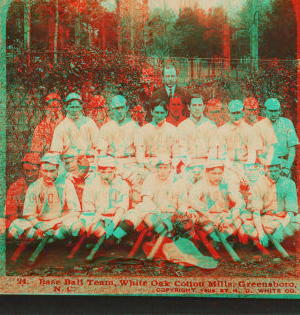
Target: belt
[124,157]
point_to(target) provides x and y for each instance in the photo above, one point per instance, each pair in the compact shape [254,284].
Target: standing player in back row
[160,137]
[76,133]
[238,144]
[284,130]
[263,131]
[197,134]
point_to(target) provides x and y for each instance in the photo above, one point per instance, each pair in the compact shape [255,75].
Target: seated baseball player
[16,193]
[49,202]
[104,202]
[273,203]
[212,201]
[156,207]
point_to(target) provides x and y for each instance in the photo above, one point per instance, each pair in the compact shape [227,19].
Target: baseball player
[16,193]
[273,202]
[287,139]
[238,144]
[49,201]
[263,130]
[197,134]
[211,199]
[76,133]
[160,137]
[104,202]
[156,207]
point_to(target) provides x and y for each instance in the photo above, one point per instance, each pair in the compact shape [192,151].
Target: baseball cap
[33,158]
[73,96]
[213,163]
[162,159]
[52,158]
[235,106]
[196,162]
[52,96]
[251,103]
[96,101]
[117,101]
[107,161]
[214,105]
[272,104]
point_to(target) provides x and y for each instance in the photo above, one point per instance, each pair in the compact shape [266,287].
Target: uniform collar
[159,124]
[170,119]
[125,121]
[201,120]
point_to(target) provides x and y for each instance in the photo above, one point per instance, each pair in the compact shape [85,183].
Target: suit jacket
[162,94]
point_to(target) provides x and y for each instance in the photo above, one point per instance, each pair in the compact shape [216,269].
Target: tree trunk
[119,27]
[56,31]
[254,36]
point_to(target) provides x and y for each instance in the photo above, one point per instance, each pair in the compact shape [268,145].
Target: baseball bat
[227,246]
[278,246]
[138,243]
[38,250]
[77,246]
[18,252]
[157,245]
[95,248]
[208,245]
[261,247]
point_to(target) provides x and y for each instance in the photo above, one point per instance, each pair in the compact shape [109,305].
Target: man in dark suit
[170,88]
[143,95]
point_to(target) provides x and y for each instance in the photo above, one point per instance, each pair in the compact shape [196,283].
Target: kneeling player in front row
[214,206]
[49,202]
[272,207]
[104,202]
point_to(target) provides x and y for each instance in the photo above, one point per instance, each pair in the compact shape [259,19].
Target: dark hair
[159,102]
[176,95]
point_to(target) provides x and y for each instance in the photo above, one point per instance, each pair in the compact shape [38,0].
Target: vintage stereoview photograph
[150,147]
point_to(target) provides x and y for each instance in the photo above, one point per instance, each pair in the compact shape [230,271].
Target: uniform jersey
[15,198]
[120,140]
[160,192]
[80,136]
[197,139]
[237,141]
[160,139]
[266,195]
[264,134]
[80,183]
[181,189]
[48,202]
[205,197]
[43,135]
[286,136]
[100,195]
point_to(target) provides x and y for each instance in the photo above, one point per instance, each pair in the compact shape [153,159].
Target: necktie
[170,92]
